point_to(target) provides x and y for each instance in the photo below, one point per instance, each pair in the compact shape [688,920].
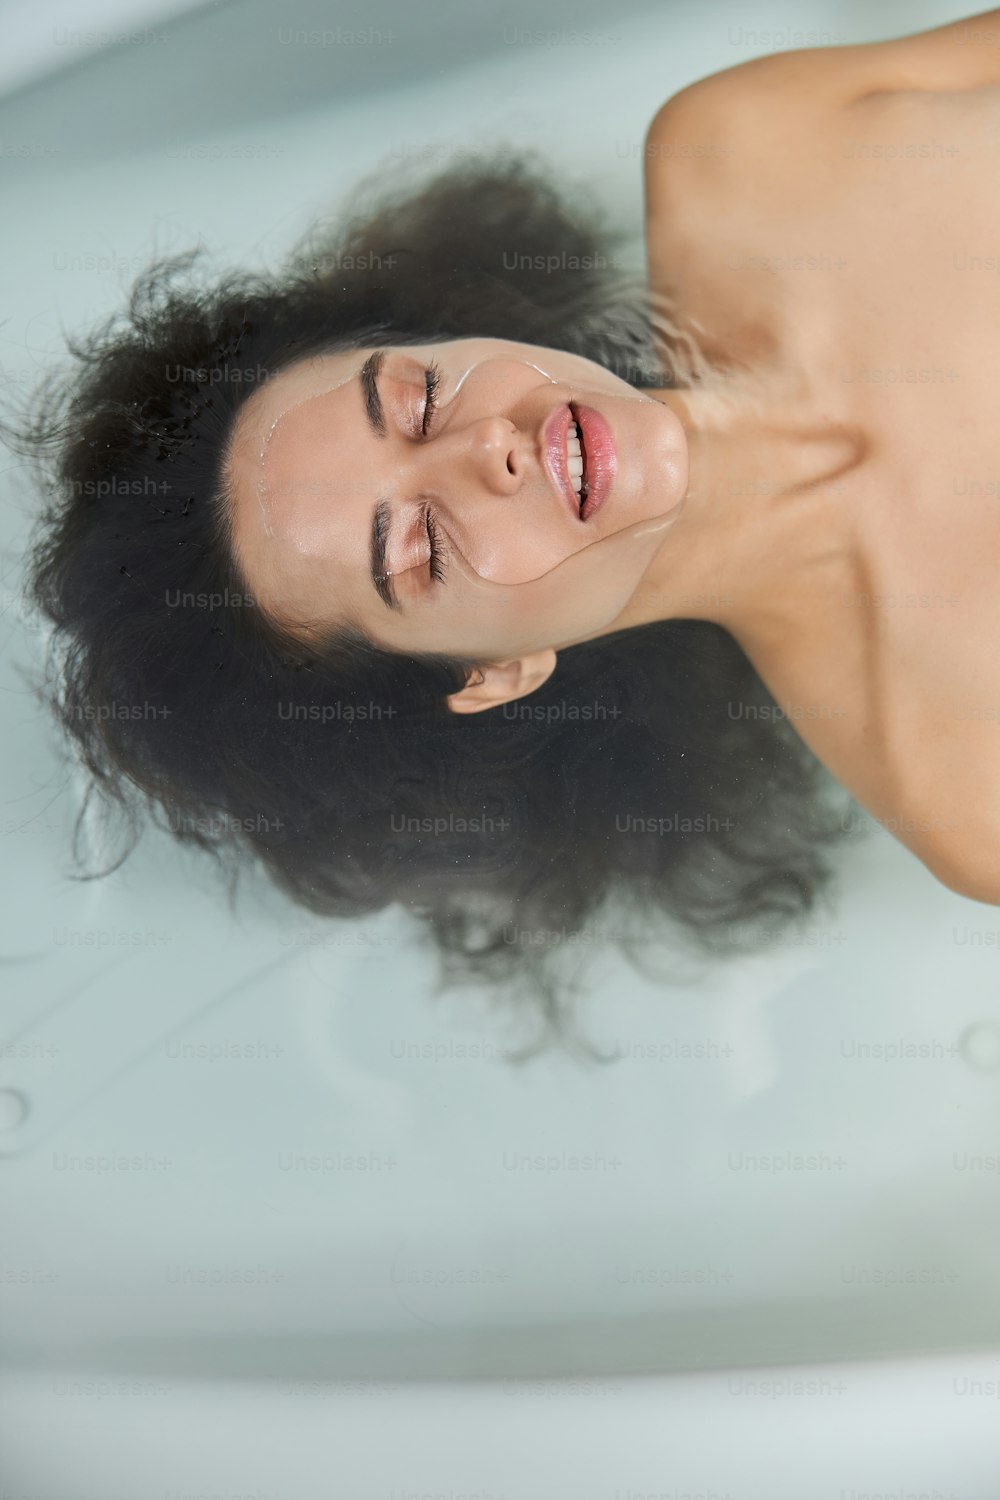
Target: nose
[487,454]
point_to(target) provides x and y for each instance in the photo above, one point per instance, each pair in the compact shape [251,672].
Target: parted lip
[554,456]
[600,456]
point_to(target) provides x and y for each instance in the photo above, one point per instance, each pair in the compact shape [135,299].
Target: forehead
[278,441]
[264,411]
[281,456]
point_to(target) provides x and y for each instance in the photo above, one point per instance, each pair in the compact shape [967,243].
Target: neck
[767,532]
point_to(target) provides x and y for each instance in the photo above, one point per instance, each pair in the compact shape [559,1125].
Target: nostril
[509,466]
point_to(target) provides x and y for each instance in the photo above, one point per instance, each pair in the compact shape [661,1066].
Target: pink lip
[600,456]
[554,451]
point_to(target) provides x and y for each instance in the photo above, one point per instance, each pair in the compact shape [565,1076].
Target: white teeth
[574,458]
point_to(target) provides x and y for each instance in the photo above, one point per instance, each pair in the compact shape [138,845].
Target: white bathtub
[756,1257]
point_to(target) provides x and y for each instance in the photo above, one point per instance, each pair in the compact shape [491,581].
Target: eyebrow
[373,401]
[382,515]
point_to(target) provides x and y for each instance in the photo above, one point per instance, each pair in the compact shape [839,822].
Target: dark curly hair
[338,763]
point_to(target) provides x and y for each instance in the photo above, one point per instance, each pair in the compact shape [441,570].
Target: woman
[258,490]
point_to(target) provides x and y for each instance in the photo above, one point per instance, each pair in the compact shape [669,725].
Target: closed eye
[438,553]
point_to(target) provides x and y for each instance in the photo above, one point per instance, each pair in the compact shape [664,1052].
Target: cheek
[512,547]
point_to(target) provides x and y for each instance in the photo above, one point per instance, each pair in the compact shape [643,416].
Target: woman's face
[337,463]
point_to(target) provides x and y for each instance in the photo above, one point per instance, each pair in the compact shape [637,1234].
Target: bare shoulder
[749,92]
[754,162]
[774,108]
[953,796]
[968,866]
[728,164]
[704,137]
[955,58]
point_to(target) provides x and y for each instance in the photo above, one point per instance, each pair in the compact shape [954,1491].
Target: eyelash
[432,381]
[437,566]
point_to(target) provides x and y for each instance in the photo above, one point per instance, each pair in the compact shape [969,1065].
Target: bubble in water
[13,1109]
[980,1045]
